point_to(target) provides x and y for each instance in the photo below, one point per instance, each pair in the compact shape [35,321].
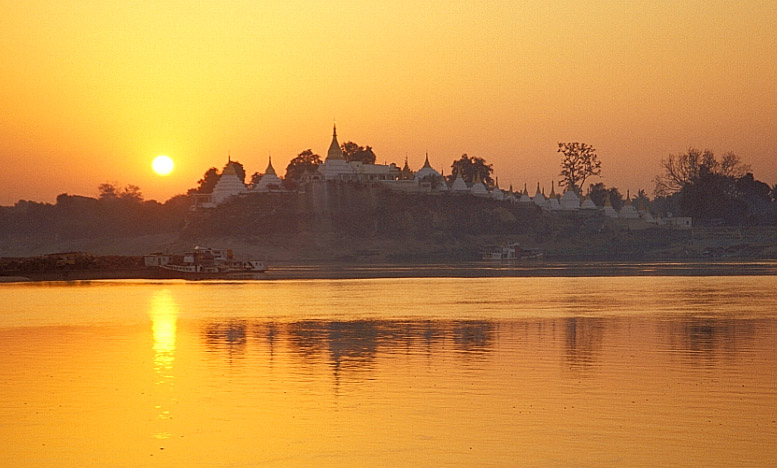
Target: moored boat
[210,263]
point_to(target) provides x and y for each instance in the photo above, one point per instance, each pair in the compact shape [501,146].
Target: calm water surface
[566,372]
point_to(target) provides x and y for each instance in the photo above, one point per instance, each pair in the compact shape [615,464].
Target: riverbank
[428,270]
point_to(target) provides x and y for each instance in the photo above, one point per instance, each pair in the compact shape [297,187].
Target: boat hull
[168,273]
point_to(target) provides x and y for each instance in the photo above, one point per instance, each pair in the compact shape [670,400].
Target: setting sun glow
[504,80]
[163,165]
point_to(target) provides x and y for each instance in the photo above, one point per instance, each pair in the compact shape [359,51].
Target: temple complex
[337,169]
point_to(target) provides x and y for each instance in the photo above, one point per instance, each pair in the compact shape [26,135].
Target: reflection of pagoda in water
[350,344]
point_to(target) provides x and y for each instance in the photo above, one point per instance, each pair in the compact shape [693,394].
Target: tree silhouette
[686,168]
[306,161]
[110,191]
[207,183]
[239,170]
[580,162]
[470,167]
[354,152]
[599,194]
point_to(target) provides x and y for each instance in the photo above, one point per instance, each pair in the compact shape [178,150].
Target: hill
[358,223]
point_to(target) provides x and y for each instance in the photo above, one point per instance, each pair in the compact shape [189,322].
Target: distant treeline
[73,217]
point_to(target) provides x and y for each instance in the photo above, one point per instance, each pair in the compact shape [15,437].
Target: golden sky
[92,91]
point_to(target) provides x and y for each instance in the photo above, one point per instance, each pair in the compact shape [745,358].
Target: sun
[163,165]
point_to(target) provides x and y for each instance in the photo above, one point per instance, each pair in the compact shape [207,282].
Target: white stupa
[270,178]
[588,204]
[569,201]
[335,166]
[627,210]
[497,193]
[228,185]
[442,184]
[609,211]
[644,212]
[524,196]
[427,170]
[478,188]
[553,203]
[539,198]
[458,184]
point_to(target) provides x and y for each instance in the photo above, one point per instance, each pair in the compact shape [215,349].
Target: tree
[470,167]
[239,170]
[207,183]
[641,199]
[712,196]
[686,168]
[616,198]
[580,162]
[131,193]
[305,161]
[599,194]
[109,191]
[354,152]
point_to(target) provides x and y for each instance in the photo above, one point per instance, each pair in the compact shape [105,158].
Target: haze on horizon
[92,91]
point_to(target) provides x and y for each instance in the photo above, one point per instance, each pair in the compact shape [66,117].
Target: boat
[514,251]
[212,263]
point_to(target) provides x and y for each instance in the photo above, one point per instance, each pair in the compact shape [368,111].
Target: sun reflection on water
[164,314]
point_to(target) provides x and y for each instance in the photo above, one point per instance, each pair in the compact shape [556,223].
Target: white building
[497,193]
[458,184]
[628,211]
[478,188]
[334,166]
[228,185]
[268,181]
[588,204]
[609,211]
[569,201]
[553,203]
[539,198]
[427,171]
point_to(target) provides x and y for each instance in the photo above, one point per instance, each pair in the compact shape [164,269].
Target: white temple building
[609,211]
[497,193]
[478,188]
[427,171]
[442,185]
[539,198]
[569,201]
[627,210]
[458,184]
[588,204]
[524,196]
[228,185]
[553,202]
[334,166]
[268,181]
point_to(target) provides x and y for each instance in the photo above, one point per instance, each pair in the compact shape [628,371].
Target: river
[490,372]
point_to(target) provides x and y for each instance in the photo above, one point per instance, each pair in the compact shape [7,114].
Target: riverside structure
[336,169]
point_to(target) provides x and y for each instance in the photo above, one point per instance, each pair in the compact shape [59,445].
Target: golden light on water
[540,372]
[164,314]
